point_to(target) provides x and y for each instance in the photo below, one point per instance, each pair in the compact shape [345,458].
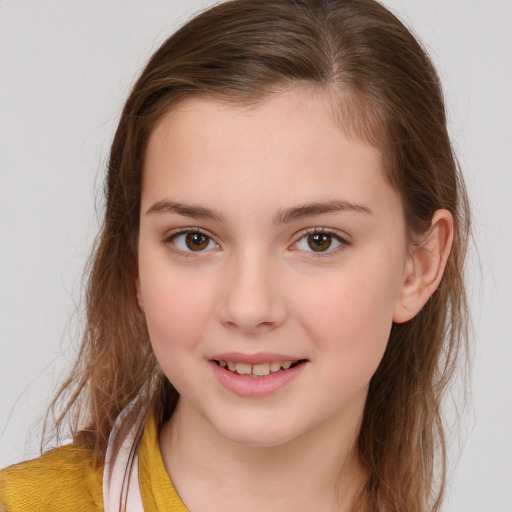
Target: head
[381,90]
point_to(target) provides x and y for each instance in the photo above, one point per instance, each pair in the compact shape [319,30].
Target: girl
[275,304]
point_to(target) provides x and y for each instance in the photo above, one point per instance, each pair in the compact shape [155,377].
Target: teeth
[243,368]
[256,370]
[275,367]
[261,369]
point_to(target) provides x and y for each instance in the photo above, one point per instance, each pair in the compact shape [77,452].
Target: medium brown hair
[385,91]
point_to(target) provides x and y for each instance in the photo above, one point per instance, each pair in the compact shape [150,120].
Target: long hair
[383,90]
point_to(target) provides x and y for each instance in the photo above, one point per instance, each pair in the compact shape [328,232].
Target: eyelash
[343,242]
[170,239]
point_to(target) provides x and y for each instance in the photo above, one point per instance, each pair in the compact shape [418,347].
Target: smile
[257,370]
[256,375]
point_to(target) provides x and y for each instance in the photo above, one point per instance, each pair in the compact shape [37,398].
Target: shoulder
[62,480]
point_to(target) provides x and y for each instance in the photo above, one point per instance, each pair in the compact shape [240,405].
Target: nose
[252,300]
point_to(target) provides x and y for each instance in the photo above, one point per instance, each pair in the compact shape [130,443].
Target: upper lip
[259,357]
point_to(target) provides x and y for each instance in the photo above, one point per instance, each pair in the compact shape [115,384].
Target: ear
[425,266]
[140,299]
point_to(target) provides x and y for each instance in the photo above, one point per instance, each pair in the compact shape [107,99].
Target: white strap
[120,487]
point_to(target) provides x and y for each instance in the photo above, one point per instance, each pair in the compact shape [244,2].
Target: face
[272,253]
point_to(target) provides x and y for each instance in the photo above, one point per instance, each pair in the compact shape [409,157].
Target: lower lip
[250,386]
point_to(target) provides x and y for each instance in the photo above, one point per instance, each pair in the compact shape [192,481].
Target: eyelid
[341,237]
[172,234]
[338,235]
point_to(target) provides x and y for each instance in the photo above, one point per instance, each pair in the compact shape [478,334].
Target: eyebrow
[282,217]
[312,209]
[187,210]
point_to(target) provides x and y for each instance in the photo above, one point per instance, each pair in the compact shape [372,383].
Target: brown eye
[319,242]
[191,241]
[196,241]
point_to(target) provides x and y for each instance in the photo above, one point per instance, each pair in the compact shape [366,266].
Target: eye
[320,241]
[192,241]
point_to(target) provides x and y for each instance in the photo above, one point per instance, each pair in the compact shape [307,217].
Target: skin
[257,286]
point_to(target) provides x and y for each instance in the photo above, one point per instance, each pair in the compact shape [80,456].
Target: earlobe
[425,266]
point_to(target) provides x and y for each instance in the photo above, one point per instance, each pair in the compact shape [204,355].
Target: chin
[258,434]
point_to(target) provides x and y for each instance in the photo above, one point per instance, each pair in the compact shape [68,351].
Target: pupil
[319,242]
[196,241]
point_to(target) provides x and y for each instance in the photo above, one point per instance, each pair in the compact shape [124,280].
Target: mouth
[258,370]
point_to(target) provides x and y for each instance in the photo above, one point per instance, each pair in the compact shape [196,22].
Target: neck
[315,471]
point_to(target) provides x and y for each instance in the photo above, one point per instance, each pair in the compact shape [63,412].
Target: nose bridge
[252,298]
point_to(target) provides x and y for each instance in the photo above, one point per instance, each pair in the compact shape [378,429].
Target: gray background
[65,69]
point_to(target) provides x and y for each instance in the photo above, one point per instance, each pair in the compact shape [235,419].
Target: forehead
[288,144]
[358,117]
[300,116]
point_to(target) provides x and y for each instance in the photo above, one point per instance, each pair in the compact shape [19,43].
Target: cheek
[177,308]
[349,319]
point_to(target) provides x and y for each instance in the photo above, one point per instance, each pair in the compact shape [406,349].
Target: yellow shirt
[64,480]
